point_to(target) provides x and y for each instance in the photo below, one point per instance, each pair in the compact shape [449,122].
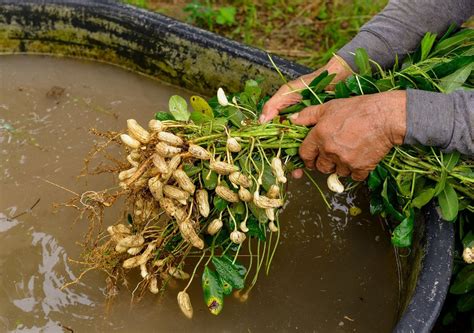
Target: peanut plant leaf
[403,234]
[448,202]
[423,198]
[230,272]
[179,108]
[464,281]
[362,62]
[212,290]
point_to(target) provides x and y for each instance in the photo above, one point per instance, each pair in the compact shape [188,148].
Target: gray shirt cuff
[441,120]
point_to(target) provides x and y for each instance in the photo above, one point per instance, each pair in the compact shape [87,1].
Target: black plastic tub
[175,52]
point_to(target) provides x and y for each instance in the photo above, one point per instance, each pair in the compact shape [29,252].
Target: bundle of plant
[203,186]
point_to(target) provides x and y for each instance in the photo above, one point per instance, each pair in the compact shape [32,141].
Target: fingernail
[262,119]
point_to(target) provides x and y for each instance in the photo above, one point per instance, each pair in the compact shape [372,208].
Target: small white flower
[221,97]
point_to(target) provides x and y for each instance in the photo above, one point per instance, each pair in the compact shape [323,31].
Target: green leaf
[426,45]
[450,160]
[199,118]
[441,182]
[403,234]
[466,302]
[464,281]
[449,203]
[259,213]
[179,108]
[455,80]
[388,207]
[423,197]
[362,62]
[306,94]
[209,178]
[253,89]
[256,229]
[360,85]
[191,169]
[229,271]
[226,15]
[376,205]
[226,287]
[291,151]
[452,42]
[451,66]
[468,240]
[212,290]
[163,116]
[341,90]
[235,116]
[374,181]
[384,84]
[219,203]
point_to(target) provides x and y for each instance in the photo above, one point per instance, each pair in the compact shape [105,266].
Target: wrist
[394,105]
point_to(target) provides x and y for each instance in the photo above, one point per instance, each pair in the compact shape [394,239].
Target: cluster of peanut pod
[168,199]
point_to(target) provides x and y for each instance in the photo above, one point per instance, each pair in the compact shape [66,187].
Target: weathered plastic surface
[175,52]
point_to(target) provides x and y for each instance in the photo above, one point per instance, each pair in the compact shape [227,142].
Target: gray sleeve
[441,120]
[399,28]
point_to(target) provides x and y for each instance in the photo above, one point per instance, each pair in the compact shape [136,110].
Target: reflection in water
[331,273]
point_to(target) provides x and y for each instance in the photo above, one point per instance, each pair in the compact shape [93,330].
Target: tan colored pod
[202,199]
[189,234]
[273,192]
[278,171]
[240,179]
[245,195]
[120,248]
[155,125]
[199,152]
[156,187]
[272,226]
[132,241]
[131,160]
[172,165]
[160,163]
[174,192]
[468,255]
[153,286]
[168,206]
[184,181]
[123,175]
[233,145]
[178,273]
[133,251]
[129,141]
[243,226]
[227,194]
[170,139]
[165,150]
[223,168]
[185,305]
[237,237]
[137,132]
[143,271]
[334,184]
[180,214]
[131,262]
[214,227]
[118,229]
[270,212]
[262,201]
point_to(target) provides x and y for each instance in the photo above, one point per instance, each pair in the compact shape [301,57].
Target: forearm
[441,120]
[399,28]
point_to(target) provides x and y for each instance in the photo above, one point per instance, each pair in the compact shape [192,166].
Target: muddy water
[331,273]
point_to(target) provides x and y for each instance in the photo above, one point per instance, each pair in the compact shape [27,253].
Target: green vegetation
[302,30]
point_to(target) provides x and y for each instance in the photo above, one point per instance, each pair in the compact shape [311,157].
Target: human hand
[284,97]
[352,135]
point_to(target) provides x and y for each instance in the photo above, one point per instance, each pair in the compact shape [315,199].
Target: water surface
[331,273]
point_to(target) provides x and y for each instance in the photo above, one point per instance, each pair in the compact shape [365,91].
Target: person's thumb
[309,116]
